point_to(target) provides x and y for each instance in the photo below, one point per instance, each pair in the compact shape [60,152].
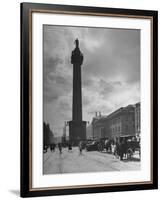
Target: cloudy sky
[110,71]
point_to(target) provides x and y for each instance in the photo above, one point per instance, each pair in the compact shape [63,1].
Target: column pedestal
[77,131]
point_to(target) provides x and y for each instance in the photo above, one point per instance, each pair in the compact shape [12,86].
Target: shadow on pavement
[15,192]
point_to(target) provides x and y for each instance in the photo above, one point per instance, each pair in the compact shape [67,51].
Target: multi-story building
[100,127]
[120,122]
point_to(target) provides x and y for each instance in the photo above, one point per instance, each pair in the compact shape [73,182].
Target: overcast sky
[110,71]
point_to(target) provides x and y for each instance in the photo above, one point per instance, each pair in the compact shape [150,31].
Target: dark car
[92,146]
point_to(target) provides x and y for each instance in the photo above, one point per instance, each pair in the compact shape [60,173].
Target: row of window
[117,120]
[116,129]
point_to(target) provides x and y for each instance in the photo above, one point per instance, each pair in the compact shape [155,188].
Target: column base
[77,131]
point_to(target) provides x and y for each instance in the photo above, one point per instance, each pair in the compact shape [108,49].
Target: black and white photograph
[91,99]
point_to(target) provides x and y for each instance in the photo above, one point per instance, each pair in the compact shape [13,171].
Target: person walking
[117,149]
[60,148]
[122,149]
[69,147]
[51,147]
[80,147]
[112,147]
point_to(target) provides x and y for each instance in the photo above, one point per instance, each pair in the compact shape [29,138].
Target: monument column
[77,127]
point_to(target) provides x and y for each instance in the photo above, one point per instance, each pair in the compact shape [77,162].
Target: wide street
[93,161]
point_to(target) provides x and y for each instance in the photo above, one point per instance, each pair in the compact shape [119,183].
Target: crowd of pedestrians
[53,146]
[119,148]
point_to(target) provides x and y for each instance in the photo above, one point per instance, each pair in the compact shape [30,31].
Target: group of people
[124,147]
[52,147]
[117,148]
[80,146]
[60,146]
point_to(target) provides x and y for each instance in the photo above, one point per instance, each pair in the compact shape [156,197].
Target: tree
[48,136]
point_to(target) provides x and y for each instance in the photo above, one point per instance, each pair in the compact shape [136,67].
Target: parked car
[92,146]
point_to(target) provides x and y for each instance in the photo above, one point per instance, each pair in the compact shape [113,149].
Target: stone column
[77,127]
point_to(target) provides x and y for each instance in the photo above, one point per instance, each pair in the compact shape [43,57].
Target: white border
[39,180]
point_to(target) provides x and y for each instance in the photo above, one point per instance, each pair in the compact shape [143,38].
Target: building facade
[100,127]
[120,122]
[138,119]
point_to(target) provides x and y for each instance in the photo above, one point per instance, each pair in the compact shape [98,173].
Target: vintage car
[92,146]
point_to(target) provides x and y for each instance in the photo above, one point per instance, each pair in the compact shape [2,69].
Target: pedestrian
[107,145]
[60,148]
[80,147]
[51,147]
[122,149]
[69,147]
[117,149]
[112,147]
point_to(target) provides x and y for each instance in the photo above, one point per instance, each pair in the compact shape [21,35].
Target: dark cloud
[119,55]
[49,98]
[65,105]
[87,81]
[59,86]
[85,100]
[106,87]
[117,83]
[51,63]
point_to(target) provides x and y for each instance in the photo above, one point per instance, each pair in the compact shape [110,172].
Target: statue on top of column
[77,43]
[77,56]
